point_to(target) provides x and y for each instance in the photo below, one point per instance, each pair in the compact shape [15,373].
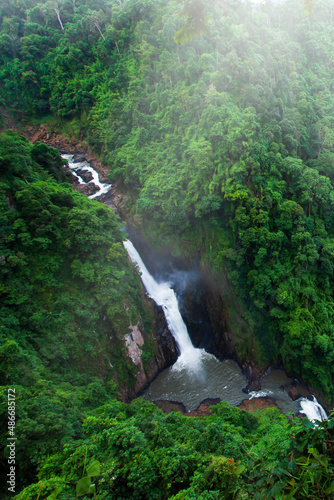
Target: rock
[165,354]
[203,408]
[71,177]
[169,406]
[107,199]
[78,158]
[304,392]
[134,341]
[254,385]
[255,404]
[293,393]
[296,391]
[87,189]
[102,170]
[85,175]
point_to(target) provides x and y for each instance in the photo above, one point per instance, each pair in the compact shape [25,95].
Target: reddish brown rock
[255,404]
[203,408]
[293,393]
[297,391]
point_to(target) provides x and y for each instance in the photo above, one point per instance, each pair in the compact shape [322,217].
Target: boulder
[78,158]
[293,393]
[169,406]
[84,174]
[87,189]
[255,404]
[254,385]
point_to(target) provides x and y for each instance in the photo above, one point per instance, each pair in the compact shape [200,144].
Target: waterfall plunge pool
[198,375]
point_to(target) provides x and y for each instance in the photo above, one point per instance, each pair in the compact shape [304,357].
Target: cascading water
[165,297]
[197,375]
[84,165]
[213,378]
[313,410]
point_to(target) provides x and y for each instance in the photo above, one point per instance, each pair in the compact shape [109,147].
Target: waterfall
[165,297]
[84,165]
[313,410]
[197,373]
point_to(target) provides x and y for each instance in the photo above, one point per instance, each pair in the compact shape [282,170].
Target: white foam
[165,297]
[313,410]
[103,187]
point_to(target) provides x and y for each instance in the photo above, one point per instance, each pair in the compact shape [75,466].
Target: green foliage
[137,451]
[68,296]
[225,145]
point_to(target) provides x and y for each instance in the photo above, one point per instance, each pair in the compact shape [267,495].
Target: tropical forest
[166,249]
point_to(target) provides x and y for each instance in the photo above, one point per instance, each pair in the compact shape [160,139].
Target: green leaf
[239,469]
[84,486]
[330,488]
[290,495]
[55,493]
[94,469]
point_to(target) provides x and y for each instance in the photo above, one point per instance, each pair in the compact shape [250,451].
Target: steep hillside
[75,325]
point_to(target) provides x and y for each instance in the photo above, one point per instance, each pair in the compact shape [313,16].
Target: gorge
[197,374]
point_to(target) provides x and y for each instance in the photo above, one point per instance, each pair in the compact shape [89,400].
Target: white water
[165,297]
[177,382]
[103,188]
[313,410]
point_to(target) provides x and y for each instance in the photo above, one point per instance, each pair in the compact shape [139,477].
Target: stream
[198,375]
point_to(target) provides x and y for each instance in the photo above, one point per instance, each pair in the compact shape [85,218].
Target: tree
[56,6]
[96,20]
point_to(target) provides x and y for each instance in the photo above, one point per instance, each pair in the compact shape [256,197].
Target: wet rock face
[87,189]
[218,315]
[296,391]
[166,352]
[86,176]
[193,309]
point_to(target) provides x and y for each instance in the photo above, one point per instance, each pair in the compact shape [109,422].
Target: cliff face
[148,352]
[232,328]
[222,327]
[216,320]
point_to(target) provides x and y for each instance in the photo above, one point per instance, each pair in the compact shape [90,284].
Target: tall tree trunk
[59,20]
[99,30]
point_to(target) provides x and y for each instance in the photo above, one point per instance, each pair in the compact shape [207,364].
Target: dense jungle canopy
[220,127]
